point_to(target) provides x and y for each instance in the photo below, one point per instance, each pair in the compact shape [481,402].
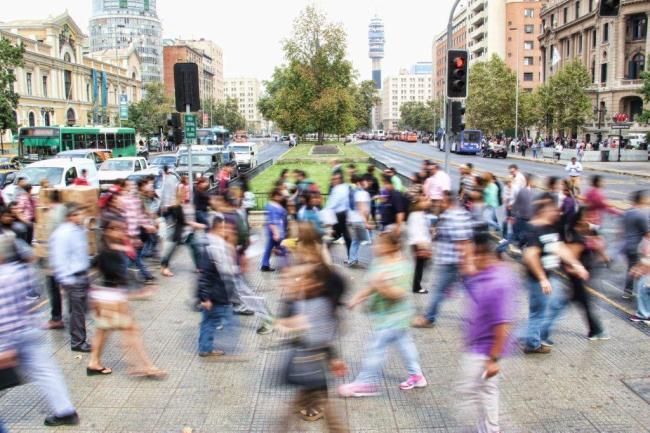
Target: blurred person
[216,288]
[109,302]
[70,263]
[543,255]
[492,199]
[453,234]
[202,200]
[415,189]
[467,183]
[568,208]
[249,201]
[418,231]
[315,290]
[180,226]
[151,208]
[168,190]
[492,286]
[351,172]
[358,218]
[276,229]
[435,186]
[22,343]
[596,202]
[25,211]
[310,212]
[634,226]
[393,208]
[574,170]
[554,187]
[340,203]
[56,216]
[82,179]
[522,210]
[138,224]
[388,283]
[641,271]
[184,187]
[395,180]
[373,189]
[225,174]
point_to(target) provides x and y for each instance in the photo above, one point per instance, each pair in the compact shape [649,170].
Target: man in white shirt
[435,185]
[574,168]
[339,203]
[358,218]
[518,182]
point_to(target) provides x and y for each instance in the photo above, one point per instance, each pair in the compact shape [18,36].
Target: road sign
[190,126]
[621,126]
[124,107]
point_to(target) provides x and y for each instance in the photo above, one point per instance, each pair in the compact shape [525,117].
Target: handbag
[9,376]
[111,308]
[307,368]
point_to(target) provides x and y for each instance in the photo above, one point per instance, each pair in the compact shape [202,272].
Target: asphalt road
[407,158]
[271,150]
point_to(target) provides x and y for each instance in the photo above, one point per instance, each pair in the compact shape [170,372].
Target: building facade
[485,29]
[247,92]
[178,52]
[213,62]
[439,54]
[613,49]
[397,90]
[121,23]
[58,85]
[523,54]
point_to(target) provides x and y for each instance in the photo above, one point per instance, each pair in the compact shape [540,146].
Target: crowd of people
[389,226]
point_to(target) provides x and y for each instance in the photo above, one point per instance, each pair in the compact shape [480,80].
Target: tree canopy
[420,116]
[10,58]
[225,113]
[149,114]
[566,92]
[645,92]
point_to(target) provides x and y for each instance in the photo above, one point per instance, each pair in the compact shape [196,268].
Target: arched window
[636,66]
[46,118]
[15,115]
[71,117]
[32,119]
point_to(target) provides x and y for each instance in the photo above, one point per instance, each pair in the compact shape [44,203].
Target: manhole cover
[324,150]
[640,386]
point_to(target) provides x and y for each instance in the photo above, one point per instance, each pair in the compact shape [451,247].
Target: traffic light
[174,120]
[457,117]
[609,8]
[457,74]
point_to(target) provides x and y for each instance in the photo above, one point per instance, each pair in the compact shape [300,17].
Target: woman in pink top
[597,203]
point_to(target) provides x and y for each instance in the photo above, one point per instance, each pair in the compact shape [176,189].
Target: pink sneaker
[414,381]
[357,390]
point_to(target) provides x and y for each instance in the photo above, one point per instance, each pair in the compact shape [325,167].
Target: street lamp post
[517,88]
[117,73]
[450,35]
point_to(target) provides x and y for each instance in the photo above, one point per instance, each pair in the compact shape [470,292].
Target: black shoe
[244,312]
[85,348]
[267,269]
[53,420]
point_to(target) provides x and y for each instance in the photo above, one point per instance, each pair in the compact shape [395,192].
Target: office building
[399,89]
[179,52]
[439,54]
[246,91]
[213,62]
[523,54]
[485,29]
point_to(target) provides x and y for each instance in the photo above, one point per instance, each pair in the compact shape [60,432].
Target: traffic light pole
[189,158]
[447,108]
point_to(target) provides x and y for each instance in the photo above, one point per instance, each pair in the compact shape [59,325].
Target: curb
[585,166]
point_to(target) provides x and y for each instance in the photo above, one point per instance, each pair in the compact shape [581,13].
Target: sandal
[312,413]
[151,373]
[101,371]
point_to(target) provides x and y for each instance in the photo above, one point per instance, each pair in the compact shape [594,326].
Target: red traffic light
[459,62]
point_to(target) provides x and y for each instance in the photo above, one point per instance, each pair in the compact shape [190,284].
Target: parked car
[425,139]
[59,172]
[495,151]
[114,169]
[98,156]
[204,164]
[7,176]
[160,161]
[245,154]
[10,161]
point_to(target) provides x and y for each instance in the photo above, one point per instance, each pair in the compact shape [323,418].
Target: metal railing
[406,181]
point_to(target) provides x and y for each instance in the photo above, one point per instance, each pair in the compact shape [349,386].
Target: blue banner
[104,90]
[93,74]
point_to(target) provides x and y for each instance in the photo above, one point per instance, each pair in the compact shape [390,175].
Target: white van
[245,154]
[60,173]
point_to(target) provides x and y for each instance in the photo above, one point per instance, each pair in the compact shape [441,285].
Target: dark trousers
[340,229]
[519,229]
[55,299]
[581,297]
[632,260]
[77,304]
[420,264]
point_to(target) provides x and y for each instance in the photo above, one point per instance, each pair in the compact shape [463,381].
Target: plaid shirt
[455,225]
[15,316]
[133,213]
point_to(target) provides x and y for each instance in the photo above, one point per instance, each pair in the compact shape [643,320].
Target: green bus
[36,143]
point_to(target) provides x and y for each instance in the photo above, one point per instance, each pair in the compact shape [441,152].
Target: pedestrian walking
[373,190]
[418,232]
[574,170]
[522,210]
[70,263]
[393,207]
[390,312]
[641,272]
[276,229]
[340,202]
[596,202]
[359,218]
[435,186]
[634,226]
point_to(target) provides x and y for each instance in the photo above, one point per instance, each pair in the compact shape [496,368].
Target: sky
[250,31]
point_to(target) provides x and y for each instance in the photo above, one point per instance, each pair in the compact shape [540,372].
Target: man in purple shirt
[491,286]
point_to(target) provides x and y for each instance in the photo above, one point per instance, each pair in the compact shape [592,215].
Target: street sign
[621,126]
[190,126]
[124,107]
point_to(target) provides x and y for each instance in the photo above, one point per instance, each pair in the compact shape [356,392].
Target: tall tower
[376,48]
[120,23]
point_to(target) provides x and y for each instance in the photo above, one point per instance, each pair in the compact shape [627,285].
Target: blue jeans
[381,339]
[539,319]
[139,264]
[557,303]
[35,358]
[643,298]
[489,216]
[268,249]
[446,275]
[210,319]
[519,229]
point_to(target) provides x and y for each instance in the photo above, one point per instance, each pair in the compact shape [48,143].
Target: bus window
[67,143]
[110,141]
[130,139]
[79,141]
[120,141]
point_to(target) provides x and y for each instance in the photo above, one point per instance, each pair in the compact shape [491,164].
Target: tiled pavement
[577,388]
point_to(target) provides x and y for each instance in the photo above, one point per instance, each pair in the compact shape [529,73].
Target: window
[32,119]
[553,23]
[603,73]
[605,32]
[529,13]
[28,81]
[591,5]
[67,80]
[580,43]
[637,27]
[593,71]
[146,5]
[594,38]
[528,45]
[529,28]
[565,16]
[528,61]
[577,9]
[528,76]
[636,66]
[45,86]
[124,4]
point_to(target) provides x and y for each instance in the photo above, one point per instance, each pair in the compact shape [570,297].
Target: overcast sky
[250,31]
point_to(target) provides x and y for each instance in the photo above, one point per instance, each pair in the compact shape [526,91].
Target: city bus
[216,135]
[37,143]
[468,141]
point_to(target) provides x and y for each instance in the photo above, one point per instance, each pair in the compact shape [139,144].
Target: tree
[365,98]
[491,96]
[313,92]
[149,114]
[10,57]
[420,116]
[571,106]
[645,92]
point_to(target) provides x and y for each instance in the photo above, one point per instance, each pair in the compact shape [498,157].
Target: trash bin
[604,155]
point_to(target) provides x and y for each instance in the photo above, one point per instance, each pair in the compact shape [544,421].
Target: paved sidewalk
[629,168]
[577,388]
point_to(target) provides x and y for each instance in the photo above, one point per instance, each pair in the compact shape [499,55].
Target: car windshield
[117,165]
[5,160]
[35,174]
[240,149]
[163,160]
[196,160]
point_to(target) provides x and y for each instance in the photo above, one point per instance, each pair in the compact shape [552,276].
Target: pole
[620,143]
[517,93]
[450,35]
[189,157]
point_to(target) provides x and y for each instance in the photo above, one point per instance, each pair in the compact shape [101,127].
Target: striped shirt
[15,316]
[133,213]
[455,225]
